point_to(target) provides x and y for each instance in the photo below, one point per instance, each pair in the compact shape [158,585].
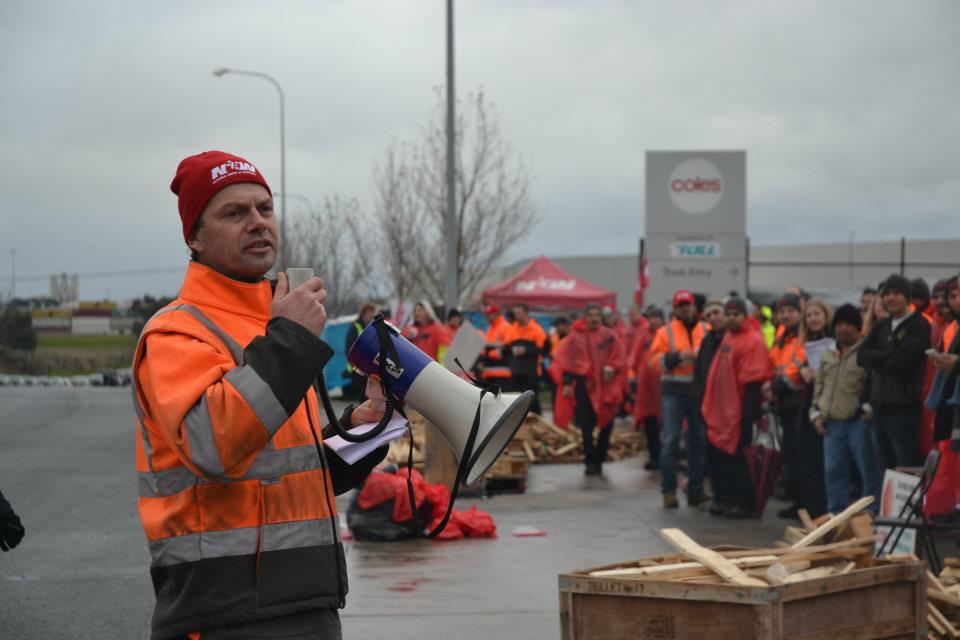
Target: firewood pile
[538,439]
[834,546]
[400,449]
[544,442]
[943,601]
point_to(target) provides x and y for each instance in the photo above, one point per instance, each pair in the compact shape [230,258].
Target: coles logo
[696,186]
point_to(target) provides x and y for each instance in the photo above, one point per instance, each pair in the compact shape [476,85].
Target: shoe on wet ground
[697,500]
[670,501]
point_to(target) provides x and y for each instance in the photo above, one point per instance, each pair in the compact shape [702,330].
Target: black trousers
[803,452]
[729,477]
[896,439]
[528,383]
[651,429]
[594,452]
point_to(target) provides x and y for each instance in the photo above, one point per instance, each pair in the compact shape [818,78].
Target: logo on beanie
[231,168]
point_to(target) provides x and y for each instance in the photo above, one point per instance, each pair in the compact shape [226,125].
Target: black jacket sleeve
[751,405]
[347,476]
[288,358]
[871,354]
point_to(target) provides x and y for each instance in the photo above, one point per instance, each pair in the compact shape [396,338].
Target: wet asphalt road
[67,466]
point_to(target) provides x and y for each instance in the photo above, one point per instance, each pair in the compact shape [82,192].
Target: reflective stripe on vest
[244,541]
[677,377]
[199,427]
[271,463]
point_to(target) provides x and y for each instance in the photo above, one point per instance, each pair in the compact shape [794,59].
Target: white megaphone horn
[448,402]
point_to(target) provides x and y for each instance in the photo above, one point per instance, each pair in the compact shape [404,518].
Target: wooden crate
[886,600]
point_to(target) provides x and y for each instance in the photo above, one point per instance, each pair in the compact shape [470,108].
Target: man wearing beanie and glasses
[894,354]
[236,490]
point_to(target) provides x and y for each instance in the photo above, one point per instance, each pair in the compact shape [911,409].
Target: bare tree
[495,209]
[323,238]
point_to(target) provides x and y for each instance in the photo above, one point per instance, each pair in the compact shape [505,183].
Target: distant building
[64,289]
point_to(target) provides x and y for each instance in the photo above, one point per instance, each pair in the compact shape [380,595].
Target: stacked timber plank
[400,449]
[543,442]
[824,584]
[943,601]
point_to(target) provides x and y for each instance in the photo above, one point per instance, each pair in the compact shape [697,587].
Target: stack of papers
[353,451]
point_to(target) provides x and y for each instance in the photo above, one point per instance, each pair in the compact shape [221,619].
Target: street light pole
[13,275]
[453,280]
[283,155]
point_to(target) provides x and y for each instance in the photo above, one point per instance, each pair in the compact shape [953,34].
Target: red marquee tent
[542,284]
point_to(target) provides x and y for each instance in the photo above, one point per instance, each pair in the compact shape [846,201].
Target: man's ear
[195,244]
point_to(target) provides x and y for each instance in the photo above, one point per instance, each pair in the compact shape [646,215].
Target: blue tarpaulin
[335,335]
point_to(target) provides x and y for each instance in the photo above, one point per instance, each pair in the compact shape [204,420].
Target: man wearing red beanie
[236,492]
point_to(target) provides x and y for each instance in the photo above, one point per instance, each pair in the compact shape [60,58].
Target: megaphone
[448,402]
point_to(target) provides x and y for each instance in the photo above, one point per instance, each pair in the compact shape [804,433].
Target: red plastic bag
[476,523]
[944,492]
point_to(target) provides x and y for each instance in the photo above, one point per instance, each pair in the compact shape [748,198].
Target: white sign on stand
[896,489]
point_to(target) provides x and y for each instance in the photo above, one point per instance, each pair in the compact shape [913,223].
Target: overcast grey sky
[848,112]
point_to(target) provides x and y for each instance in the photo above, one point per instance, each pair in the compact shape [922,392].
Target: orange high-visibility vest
[531,332]
[235,495]
[493,367]
[673,337]
[787,358]
[949,333]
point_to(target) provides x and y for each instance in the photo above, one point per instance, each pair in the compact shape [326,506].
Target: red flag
[643,283]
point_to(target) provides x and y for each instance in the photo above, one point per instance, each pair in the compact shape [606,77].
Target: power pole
[453,279]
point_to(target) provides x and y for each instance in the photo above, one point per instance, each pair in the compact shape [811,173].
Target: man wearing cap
[672,355]
[236,492]
[894,353]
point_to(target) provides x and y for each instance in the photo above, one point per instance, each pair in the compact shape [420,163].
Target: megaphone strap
[462,469]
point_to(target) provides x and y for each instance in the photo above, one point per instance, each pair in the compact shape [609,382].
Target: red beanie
[200,177]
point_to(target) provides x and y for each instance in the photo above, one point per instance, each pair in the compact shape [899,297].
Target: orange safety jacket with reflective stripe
[674,337]
[531,336]
[493,363]
[949,333]
[235,496]
[787,358]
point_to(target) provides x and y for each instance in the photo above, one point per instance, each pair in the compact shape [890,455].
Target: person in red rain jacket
[592,361]
[646,405]
[731,405]
[428,334]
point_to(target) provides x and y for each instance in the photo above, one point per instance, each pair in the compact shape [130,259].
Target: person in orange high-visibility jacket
[427,333]
[493,366]
[236,490]
[523,341]
[672,355]
[785,391]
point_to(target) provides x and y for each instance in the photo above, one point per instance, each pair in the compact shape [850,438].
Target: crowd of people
[849,391]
